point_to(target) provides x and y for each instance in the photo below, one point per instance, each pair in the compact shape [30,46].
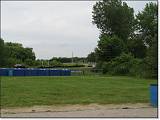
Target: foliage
[10,62]
[55,63]
[91,57]
[17,51]
[121,32]
[30,62]
[113,17]
[2,54]
[151,61]
[68,60]
[109,48]
[125,64]
[73,65]
[119,65]
[137,47]
[99,64]
[147,22]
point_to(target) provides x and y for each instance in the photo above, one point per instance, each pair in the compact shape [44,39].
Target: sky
[53,28]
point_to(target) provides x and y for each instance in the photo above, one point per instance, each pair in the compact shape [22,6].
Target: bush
[125,64]
[12,61]
[119,65]
[73,65]
[99,65]
[137,68]
[30,62]
[55,63]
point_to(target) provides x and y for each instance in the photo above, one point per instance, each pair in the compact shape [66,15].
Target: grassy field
[29,91]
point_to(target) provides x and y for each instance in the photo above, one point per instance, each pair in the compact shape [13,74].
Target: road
[87,111]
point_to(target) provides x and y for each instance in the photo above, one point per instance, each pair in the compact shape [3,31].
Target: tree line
[128,43]
[14,53]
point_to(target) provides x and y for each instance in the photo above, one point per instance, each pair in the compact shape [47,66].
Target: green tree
[30,62]
[109,48]
[2,54]
[147,25]
[137,47]
[152,59]
[55,63]
[17,51]
[113,17]
[91,57]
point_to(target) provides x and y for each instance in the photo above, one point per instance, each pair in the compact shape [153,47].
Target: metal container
[43,72]
[154,95]
[3,72]
[19,72]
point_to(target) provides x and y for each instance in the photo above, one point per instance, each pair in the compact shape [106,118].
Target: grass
[29,91]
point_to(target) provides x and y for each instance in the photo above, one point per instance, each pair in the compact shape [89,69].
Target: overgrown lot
[29,91]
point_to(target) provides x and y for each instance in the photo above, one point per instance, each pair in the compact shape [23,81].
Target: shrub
[99,65]
[125,64]
[119,65]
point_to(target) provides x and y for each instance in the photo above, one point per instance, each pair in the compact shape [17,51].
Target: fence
[33,72]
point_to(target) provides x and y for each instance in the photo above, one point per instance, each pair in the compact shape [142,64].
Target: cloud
[51,28]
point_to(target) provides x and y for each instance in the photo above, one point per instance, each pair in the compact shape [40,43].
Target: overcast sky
[53,28]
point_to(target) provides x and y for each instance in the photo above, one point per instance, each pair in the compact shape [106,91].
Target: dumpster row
[34,72]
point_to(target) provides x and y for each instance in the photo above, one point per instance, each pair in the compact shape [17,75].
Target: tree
[55,63]
[137,47]
[152,59]
[17,51]
[2,55]
[109,47]
[29,54]
[91,57]
[113,17]
[147,24]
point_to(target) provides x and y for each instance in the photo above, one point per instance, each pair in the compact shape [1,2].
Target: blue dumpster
[28,72]
[43,72]
[34,72]
[10,72]
[62,72]
[3,72]
[65,72]
[54,72]
[47,72]
[18,72]
[58,72]
[154,95]
[68,72]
